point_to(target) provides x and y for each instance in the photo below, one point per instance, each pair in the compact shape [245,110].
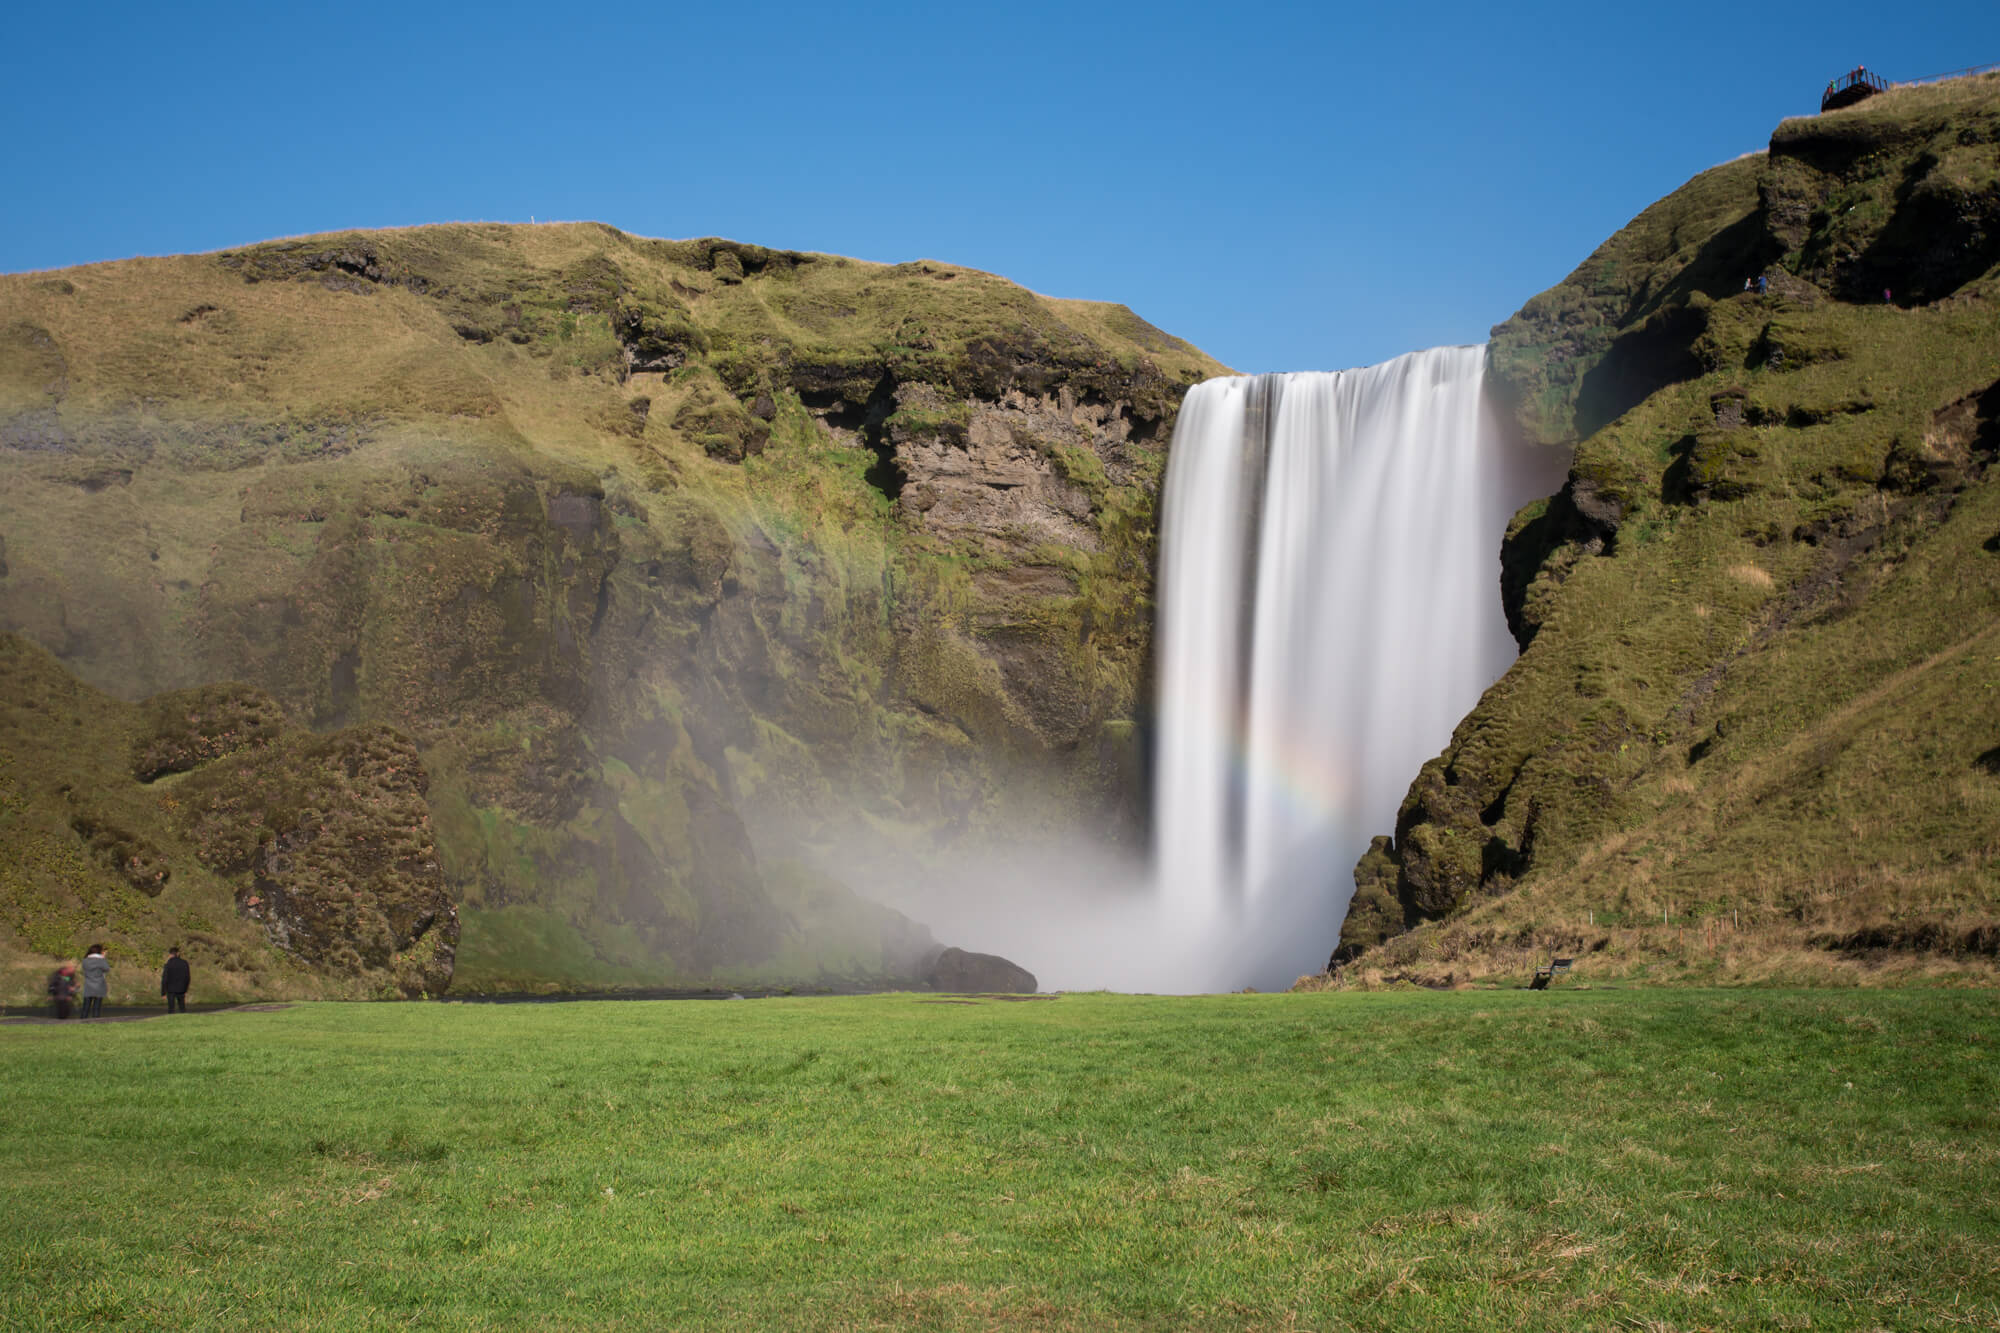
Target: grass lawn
[1656,1159]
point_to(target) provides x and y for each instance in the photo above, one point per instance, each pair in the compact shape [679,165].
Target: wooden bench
[1555,967]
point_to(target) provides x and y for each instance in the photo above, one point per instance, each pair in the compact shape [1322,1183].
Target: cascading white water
[1329,610]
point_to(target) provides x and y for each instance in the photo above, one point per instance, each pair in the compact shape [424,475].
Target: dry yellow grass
[1754,575]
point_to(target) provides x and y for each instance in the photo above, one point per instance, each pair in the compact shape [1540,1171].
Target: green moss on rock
[643,652]
[273,857]
[1764,578]
[331,840]
[185,729]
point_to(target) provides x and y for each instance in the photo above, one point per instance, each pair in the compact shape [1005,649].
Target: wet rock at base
[964,972]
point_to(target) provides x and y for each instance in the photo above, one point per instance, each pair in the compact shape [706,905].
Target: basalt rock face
[688,569]
[1758,620]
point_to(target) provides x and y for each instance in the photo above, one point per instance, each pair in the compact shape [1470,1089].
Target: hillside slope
[1754,732]
[679,563]
[203,817]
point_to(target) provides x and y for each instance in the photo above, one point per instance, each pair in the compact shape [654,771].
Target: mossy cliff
[281,861]
[675,565]
[1752,732]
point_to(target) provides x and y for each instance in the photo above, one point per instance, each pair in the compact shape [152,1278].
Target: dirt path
[132,1016]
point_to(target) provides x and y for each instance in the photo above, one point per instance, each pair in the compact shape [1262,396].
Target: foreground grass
[1581,1158]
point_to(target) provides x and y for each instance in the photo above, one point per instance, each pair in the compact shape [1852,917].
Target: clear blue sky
[1291,187]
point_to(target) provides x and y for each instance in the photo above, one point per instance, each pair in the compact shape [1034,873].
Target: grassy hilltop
[1754,732]
[675,563]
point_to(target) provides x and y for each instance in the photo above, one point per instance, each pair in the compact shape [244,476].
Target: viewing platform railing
[1852,87]
[1942,78]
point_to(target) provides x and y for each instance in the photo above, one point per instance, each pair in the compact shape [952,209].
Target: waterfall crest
[1329,610]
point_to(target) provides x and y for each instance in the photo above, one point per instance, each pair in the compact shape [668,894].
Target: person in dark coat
[174,978]
[96,983]
[62,988]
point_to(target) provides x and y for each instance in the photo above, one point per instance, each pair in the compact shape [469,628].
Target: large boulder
[962,972]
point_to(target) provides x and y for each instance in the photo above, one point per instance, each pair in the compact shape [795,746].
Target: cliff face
[1759,692]
[204,818]
[673,562]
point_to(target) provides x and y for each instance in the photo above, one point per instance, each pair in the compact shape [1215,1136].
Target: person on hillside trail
[62,988]
[96,968]
[174,978]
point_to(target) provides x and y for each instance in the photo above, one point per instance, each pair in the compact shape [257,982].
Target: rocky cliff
[1752,731]
[281,861]
[674,568]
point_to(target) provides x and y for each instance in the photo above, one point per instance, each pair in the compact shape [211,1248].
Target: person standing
[96,970]
[174,979]
[62,988]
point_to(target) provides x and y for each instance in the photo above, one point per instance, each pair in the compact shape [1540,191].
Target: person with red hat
[62,988]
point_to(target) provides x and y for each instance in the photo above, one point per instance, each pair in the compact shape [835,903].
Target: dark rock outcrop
[185,729]
[333,837]
[1375,913]
[962,972]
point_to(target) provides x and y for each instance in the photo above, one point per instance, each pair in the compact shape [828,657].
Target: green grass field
[1581,1158]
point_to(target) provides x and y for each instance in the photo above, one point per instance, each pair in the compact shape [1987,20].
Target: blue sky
[1291,187]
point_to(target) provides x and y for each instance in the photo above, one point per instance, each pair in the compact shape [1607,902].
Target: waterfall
[1329,610]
